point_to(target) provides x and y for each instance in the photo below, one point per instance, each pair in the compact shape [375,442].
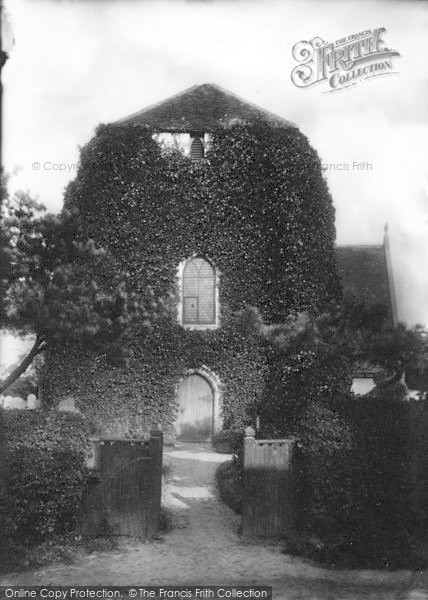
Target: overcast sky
[78,63]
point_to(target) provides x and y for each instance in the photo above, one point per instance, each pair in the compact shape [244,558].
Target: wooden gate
[195,409]
[125,495]
[269,502]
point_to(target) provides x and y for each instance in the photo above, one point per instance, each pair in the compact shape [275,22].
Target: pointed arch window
[199,296]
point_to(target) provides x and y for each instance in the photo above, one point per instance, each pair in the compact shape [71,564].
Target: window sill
[199,326]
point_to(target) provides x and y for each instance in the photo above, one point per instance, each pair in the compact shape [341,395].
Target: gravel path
[203,547]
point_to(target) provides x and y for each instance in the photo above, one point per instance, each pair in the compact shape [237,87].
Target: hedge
[46,473]
[366,504]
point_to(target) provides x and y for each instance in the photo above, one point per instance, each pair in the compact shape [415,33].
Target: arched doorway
[196,399]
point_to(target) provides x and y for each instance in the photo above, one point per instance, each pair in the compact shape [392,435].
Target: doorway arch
[197,396]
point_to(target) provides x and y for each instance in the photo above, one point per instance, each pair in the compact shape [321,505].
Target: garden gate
[269,473]
[124,495]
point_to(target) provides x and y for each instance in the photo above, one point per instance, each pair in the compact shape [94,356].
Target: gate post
[156,454]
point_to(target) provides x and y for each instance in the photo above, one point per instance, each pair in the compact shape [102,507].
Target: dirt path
[204,547]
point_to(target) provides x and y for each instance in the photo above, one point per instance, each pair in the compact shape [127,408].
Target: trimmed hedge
[46,473]
[366,504]
[388,517]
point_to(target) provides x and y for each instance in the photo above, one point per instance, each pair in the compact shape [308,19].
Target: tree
[311,358]
[359,502]
[62,286]
[4,264]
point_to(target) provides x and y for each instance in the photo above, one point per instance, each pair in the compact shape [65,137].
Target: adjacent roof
[367,277]
[207,108]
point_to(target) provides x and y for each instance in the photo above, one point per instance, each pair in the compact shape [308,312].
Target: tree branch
[39,346]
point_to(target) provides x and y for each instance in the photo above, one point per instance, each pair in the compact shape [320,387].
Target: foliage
[57,548]
[229,482]
[62,286]
[363,494]
[45,474]
[64,548]
[55,283]
[28,382]
[308,368]
[228,441]
[22,387]
[154,208]
[151,209]
[324,431]
[3,466]
[397,348]
[366,336]
[311,359]
[134,398]
[361,484]
[4,261]
[379,508]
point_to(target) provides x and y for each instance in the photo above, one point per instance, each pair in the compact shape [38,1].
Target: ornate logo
[342,63]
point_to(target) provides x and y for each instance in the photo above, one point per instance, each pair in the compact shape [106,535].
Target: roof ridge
[245,101]
[156,104]
[222,96]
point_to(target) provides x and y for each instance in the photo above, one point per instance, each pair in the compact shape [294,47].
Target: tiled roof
[367,277]
[206,107]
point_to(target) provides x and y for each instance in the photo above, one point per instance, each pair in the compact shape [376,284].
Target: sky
[77,63]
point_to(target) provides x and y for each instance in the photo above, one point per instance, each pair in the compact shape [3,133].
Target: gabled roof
[365,271]
[366,275]
[207,108]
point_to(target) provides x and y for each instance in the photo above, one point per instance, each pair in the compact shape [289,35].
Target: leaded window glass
[198,292]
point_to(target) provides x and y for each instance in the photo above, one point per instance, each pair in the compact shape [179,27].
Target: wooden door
[195,410]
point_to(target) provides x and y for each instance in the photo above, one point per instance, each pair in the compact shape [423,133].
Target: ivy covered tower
[217,205]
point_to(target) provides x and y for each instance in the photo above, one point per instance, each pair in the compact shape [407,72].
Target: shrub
[323,485]
[384,527]
[362,507]
[3,464]
[229,483]
[228,442]
[46,474]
